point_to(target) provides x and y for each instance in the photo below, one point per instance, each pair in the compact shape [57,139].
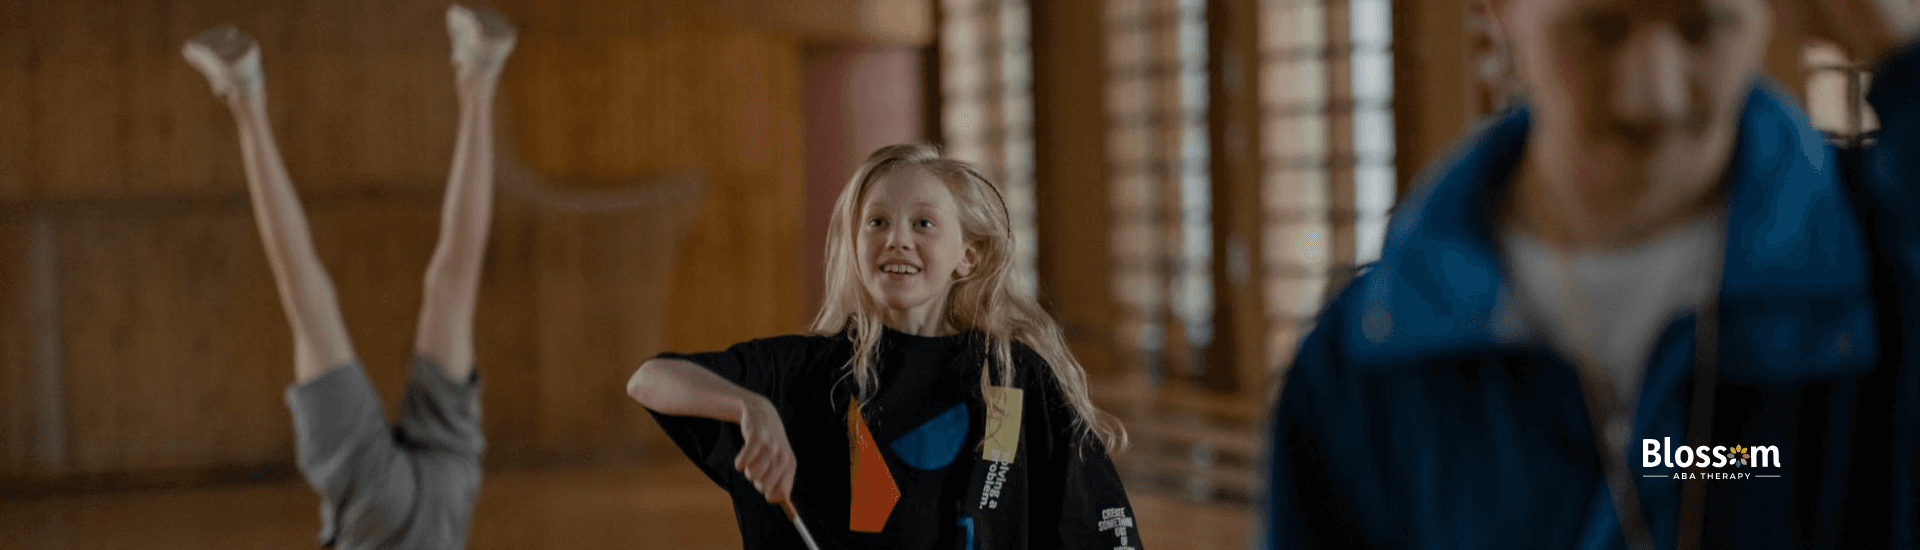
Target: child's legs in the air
[481,42]
[414,485]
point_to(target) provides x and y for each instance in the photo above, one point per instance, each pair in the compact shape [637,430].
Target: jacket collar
[1795,294]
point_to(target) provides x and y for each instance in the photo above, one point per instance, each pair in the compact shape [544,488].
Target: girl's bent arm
[682,388]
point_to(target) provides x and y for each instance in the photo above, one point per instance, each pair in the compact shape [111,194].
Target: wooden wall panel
[1071,185]
[16,109]
[19,411]
[1237,359]
[572,303]
[509,367]
[352,120]
[166,352]
[1432,84]
[720,102]
[376,249]
[80,142]
[602,287]
[174,352]
[582,344]
[177,354]
[361,91]
[143,123]
[867,21]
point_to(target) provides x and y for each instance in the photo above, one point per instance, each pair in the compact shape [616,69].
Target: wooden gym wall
[140,333]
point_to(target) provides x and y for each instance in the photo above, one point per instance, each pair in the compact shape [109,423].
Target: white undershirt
[1632,293]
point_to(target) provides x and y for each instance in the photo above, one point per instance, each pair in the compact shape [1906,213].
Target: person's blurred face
[1636,92]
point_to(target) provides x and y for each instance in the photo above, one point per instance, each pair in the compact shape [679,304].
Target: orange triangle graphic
[874,492]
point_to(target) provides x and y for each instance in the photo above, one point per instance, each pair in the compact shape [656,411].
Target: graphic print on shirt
[931,446]
[1000,443]
[1117,520]
[935,444]
[874,492]
[966,527]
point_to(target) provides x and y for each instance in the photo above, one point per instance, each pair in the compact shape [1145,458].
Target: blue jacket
[1420,414]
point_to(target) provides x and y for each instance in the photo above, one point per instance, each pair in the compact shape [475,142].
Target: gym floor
[663,506]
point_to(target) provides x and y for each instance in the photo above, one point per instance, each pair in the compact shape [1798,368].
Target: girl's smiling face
[912,249]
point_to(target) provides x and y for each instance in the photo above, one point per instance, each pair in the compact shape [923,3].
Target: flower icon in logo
[1740,455]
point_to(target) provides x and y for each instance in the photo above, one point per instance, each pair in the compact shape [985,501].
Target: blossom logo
[1661,453]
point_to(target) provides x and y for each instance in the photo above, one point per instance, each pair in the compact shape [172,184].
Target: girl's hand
[766,458]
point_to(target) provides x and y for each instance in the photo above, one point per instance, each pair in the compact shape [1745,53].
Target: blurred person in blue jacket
[1650,308]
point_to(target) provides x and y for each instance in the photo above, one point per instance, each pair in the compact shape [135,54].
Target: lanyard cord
[1706,375]
[1611,416]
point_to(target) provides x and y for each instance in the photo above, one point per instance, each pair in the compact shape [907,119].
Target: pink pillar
[857,98]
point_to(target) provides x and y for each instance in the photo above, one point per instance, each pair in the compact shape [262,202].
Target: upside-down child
[411,486]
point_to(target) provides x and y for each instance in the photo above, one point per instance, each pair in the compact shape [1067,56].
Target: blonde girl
[932,405]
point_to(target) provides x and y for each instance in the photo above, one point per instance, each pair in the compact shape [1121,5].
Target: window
[1327,153]
[1326,123]
[1162,234]
[986,86]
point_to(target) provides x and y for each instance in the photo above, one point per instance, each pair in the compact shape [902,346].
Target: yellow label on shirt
[1001,440]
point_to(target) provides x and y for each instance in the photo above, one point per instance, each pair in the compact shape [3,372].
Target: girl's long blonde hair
[984,300]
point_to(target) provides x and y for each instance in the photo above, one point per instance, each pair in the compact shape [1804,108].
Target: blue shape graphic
[934,445]
[967,522]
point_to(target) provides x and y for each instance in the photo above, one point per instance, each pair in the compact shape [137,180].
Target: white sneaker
[482,38]
[227,57]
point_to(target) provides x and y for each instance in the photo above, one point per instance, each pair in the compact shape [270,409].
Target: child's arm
[1094,511]
[682,388]
[1077,500]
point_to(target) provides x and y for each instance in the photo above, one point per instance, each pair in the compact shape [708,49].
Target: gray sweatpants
[410,486]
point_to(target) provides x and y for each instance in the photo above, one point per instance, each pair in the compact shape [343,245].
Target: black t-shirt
[927,421]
